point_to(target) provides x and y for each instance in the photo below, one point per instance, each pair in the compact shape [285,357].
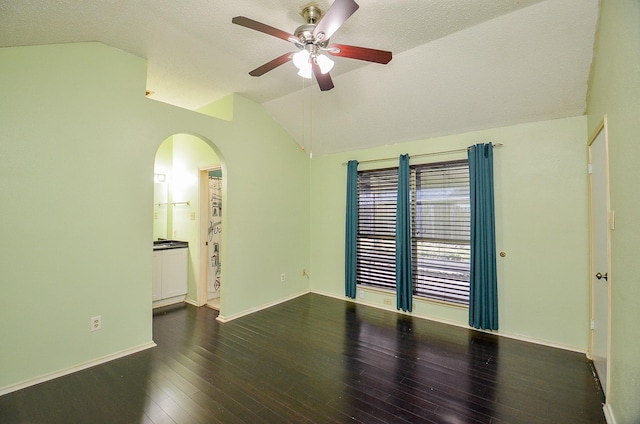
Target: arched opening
[187,222]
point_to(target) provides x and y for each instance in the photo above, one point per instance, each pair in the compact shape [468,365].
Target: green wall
[77,146]
[541,218]
[615,92]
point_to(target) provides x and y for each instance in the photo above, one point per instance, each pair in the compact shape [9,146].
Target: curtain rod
[421,155]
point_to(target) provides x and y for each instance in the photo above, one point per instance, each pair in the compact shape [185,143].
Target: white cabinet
[169,276]
[156,287]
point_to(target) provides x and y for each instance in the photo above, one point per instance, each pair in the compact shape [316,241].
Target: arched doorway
[182,211]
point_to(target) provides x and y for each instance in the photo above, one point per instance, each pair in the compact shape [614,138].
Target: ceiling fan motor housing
[304,33]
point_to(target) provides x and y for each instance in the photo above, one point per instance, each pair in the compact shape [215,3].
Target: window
[376,244]
[440,215]
[441,221]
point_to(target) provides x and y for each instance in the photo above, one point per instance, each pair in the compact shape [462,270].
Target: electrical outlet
[283,277]
[387,301]
[96,323]
[361,294]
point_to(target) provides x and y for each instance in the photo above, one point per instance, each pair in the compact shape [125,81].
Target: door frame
[600,129]
[203,193]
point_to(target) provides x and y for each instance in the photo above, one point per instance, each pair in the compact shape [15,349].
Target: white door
[600,281]
[156,280]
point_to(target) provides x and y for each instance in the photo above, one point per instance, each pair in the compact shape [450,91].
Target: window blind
[441,231]
[377,199]
[440,222]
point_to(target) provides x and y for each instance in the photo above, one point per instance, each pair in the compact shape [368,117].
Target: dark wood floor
[319,360]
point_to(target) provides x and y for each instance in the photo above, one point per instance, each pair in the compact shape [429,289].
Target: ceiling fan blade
[324,80]
[259,26]
[360,53]
[271,65]
[337,14]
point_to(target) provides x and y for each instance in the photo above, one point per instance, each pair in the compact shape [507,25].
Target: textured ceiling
[458,65]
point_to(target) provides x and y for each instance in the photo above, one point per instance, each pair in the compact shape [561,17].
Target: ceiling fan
[312,41]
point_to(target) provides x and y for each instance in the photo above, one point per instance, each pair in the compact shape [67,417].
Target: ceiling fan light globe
[305,71]
[324,63]
[301,59]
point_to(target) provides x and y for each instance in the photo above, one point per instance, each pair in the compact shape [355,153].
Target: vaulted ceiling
[458,65]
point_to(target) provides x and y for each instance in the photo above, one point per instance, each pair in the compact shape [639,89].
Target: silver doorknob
[600,276]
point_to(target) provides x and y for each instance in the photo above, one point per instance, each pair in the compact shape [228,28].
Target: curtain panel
[404,277]
[483,285]
[351,230]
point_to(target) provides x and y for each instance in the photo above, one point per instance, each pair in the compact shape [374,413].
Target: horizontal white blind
[441,231]
[440,223]
[377,199]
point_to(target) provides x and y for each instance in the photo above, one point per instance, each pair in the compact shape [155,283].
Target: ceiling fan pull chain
[303,117]
[310,124]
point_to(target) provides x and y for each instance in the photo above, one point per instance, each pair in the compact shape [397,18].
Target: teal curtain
[404,287]
[483,284]
[351,230]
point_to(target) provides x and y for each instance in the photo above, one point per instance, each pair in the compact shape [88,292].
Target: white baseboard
[224,319]
[193,302]
[608,413]
[75,368]
[457,324]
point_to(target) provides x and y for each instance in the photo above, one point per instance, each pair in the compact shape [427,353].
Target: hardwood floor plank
[316,359]
[156,414]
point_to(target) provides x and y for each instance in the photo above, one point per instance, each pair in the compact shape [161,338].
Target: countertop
[170,244]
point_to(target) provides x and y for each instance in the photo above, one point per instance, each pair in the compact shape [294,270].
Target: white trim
[608,413]
[541,342]
[203,220]
[192,302]
[202,292]
[601,129]
[458,324]
[224,319]
[75,368]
